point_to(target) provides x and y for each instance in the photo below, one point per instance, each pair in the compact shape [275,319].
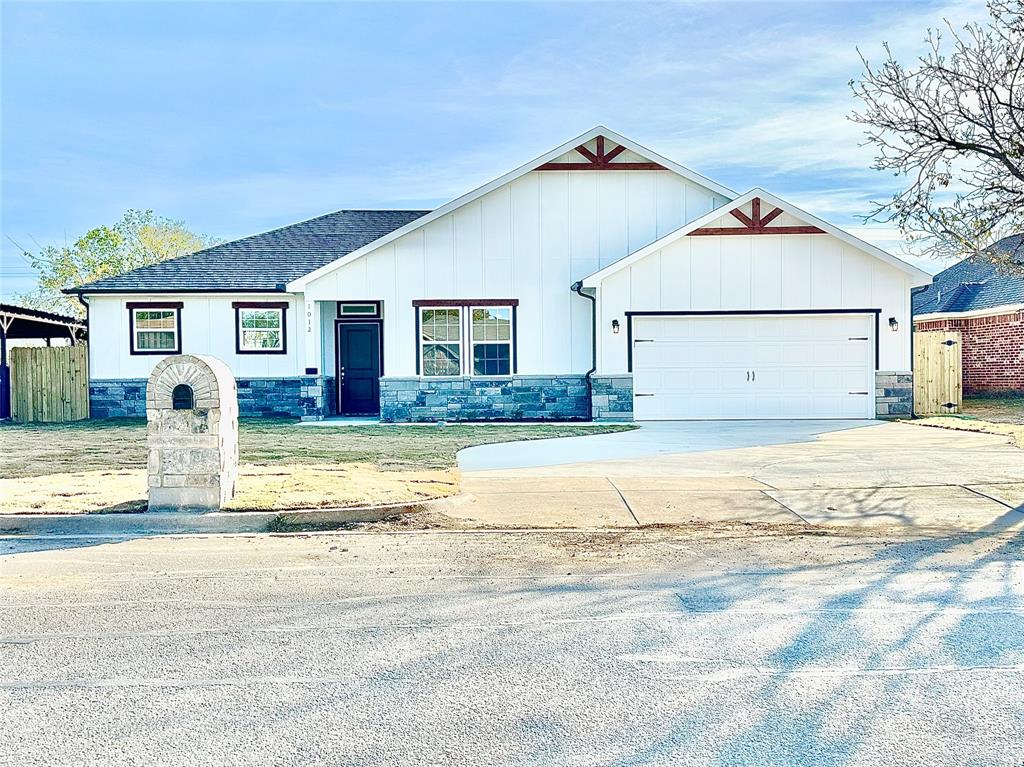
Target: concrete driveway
[850,473]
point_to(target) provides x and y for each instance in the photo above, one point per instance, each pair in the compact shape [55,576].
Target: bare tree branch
[952,127]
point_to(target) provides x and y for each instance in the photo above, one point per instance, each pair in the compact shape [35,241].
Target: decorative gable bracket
[601,160]
[755,223]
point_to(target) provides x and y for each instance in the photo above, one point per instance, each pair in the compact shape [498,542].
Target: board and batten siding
[530,240]
[739,272]
[207,327]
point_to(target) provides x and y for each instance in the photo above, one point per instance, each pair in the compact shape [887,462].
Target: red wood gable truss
[755,223]
[600,160]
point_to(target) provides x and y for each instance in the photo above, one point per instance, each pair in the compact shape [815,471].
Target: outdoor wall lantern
[615,327]
[893,324]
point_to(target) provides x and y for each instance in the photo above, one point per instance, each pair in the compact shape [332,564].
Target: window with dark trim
[359,309]
[261,327]
[466,337]
[441,340]
[154,328]
[491,338]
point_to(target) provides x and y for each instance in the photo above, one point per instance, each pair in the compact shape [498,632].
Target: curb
[175,523]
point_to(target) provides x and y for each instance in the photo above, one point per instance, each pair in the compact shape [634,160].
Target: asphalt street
[733,645]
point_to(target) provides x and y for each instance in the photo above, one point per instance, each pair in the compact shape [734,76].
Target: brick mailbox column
[192,409]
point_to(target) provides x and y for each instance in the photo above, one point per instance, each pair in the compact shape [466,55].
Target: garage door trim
[742,312]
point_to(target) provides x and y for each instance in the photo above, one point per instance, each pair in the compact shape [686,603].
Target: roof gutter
[990,311]
[577,288]
[85,289]
[85,303]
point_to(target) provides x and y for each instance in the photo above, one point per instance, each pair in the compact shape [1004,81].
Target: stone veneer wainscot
[613,397]
[307,397]
[505,398]
[894,394]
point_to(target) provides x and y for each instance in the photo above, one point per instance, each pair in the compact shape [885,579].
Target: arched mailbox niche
[192,409]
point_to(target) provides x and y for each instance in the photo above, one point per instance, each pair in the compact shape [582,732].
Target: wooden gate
[49,383]
[938,388]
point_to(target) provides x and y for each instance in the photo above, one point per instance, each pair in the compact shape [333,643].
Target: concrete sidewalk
[882,475]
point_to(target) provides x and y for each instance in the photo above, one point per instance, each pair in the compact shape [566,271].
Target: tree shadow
[940,617]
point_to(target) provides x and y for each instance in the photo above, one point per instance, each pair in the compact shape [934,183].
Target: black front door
[358,368]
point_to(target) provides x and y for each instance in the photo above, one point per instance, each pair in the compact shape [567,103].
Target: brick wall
[993,350]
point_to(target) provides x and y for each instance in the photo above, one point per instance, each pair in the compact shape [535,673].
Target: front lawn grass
[1001,413]
[35,450]
[1003,407]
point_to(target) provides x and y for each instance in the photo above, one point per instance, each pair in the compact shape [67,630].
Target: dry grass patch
[99,466]
[1002,407]
[1014,431]
[998,413]
[35,450]
[260,488]
[325,487]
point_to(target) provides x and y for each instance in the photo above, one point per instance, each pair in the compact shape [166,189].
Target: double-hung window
[492,340]
[441,340]
[155,328]
[260,327]
[466,338]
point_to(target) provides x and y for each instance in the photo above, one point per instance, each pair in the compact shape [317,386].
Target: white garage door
[764,366]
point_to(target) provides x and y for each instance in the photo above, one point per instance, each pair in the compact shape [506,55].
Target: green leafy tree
[140,238]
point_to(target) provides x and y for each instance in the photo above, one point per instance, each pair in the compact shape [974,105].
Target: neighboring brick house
[986,305]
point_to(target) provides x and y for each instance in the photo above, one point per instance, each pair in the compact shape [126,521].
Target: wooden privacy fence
[938,388]
[49,383]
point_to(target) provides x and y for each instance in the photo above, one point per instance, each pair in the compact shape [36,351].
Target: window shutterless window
[154,328]
[260,327]
[441,341]
[492,340]
[474,337]
[359,309]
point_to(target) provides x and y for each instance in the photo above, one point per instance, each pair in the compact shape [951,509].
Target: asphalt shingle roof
[264,261]
[975,283]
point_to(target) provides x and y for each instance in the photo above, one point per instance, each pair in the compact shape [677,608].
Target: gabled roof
[918,276]
[599,130]
[975,283]
[263,262]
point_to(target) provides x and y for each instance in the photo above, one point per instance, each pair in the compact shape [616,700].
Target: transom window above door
[357,309]
[474,338]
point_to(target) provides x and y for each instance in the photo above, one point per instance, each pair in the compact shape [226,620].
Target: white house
[598,280]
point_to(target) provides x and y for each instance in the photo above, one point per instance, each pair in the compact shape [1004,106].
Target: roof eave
[918,276]
[299,285]
[970,313]
[85,290]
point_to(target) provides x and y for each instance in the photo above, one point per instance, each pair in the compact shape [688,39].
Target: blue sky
[240,117]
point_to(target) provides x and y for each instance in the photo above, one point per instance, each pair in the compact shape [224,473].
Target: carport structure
[18,323]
